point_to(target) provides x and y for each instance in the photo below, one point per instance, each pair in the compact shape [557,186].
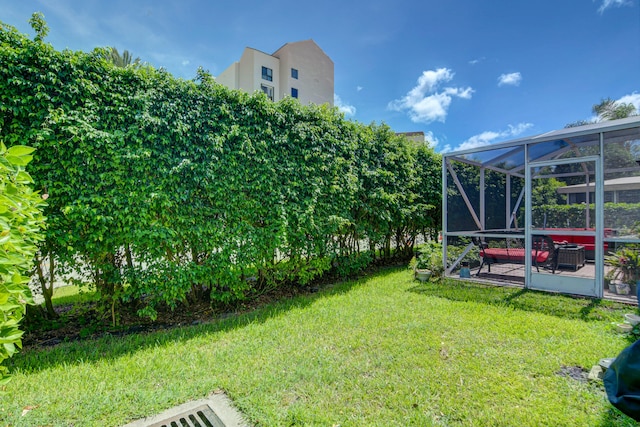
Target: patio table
[571,256]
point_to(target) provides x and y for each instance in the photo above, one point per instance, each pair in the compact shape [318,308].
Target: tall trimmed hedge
[163,189]
[619,216]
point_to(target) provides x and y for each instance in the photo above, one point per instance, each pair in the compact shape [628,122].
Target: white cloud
[185,62]
[476,61]
[607,4]
[359,88]
[634,99]
[431,139]
[488,137]
[348,110]
[512,79]
[427,102]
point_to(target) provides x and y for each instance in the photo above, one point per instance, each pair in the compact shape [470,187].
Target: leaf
[11,189]
[8,338]
[19,160]
[10,348]
[20,150]
[23,178]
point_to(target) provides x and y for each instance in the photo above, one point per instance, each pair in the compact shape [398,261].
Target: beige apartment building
[300,70]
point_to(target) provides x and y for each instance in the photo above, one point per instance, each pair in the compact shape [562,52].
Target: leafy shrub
[620,216]
[20,223]
[351,264]
[164,188]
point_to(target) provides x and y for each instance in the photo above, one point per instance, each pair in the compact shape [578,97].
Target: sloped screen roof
[568,142]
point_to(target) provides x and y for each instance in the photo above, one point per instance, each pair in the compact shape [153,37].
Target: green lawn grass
[381,351]
[73,294]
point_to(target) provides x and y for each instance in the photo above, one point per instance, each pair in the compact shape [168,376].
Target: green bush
[163,189]
[619,216]
[20,223]
[352,264]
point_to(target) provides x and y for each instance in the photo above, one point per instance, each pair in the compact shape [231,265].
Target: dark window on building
[628,196]
[268,90]
[579,198]
[267,74]
[608,196]
[294,73]
[294,92]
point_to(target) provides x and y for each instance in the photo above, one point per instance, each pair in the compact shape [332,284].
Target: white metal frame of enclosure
[550,159]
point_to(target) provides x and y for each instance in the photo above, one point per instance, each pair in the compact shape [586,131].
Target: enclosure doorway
[578,238]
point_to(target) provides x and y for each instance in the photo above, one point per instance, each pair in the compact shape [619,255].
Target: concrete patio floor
[506,274]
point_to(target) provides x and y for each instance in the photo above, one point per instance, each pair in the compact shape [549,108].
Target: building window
[294,73]
[626,196]
[267,74]
[268,90]
[609,196]
[294,92]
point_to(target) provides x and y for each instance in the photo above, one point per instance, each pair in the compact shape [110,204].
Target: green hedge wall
[162,189]
[619,216]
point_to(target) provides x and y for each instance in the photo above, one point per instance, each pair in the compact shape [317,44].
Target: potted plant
[427,263]
[609,281]
[626,263]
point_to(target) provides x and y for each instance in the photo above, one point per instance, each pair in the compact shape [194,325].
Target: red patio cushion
[587,241]
[513,255]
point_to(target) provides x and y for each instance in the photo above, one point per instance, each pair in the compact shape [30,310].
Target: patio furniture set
[548,251]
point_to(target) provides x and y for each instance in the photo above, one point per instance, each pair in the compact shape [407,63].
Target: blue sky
[466,72]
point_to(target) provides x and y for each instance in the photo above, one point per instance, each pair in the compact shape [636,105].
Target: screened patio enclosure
[535,212]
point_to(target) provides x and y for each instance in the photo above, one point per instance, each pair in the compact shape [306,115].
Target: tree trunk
[127,250]
[387,246]
[47,291]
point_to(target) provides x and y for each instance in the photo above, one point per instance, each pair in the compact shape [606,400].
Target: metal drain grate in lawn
[202,416]
[216,411]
